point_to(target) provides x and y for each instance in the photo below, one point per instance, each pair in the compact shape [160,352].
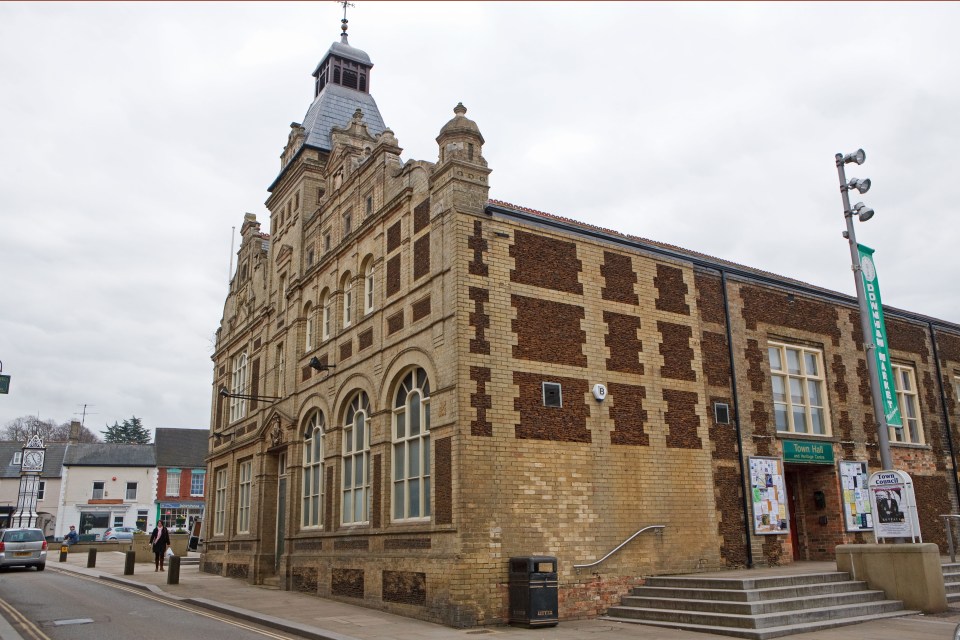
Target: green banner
[808,451]
[871,289]
[4,384]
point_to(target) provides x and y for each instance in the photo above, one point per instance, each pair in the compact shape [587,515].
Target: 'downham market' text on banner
[871,289]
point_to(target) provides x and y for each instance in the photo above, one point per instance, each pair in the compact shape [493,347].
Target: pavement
[316,618]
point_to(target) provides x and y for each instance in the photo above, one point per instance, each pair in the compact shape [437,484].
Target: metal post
[91,558]
[129,559]
[63,552]
[883,429]
[173,570]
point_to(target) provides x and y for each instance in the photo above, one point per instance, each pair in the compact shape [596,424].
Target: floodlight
[859,156]
[863,212]
[860,185]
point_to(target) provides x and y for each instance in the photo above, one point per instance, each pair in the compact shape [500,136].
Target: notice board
[769,496]
[855,496]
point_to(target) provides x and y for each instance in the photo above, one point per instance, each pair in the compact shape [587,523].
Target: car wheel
[41,567]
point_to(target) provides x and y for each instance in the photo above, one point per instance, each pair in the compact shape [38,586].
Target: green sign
[871,289]
[4,384]
[808,451]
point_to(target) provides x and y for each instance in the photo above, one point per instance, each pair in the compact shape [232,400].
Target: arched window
[347,300]
[368,288]
[411,447]
[309,335]
[325,302]
[313,451]
[356,461]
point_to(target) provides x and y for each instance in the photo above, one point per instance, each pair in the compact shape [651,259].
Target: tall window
[308,333]
[173,482]
[97,491]
[411,447]
[282,292]
[348,222]
[347,300]
[41,489]
[325,302]
[196,482]
[220,502]
[799,404]
[356,461]
[906,384]
[281,372]
[131,491]
[238,385]
[368,288]
[313,450]
[244,486]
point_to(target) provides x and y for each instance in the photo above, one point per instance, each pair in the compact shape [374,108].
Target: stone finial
[460,109]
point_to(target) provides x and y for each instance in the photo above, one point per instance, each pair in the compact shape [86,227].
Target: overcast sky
[133,137]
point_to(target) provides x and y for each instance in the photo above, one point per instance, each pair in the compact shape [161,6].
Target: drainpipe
[943,407]
[736,419]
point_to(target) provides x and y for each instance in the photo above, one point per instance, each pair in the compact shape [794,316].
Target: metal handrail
[947,517]
[658,527]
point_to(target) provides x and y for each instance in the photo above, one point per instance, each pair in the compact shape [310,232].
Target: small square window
[721,413]
[552,395]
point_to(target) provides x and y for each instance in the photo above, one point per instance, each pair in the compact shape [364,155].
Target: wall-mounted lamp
[320,366]
[244,396]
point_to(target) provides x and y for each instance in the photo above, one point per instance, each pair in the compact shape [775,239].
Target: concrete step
[759,621]
[751,595]
[755,607]
[740,584]
[766,633]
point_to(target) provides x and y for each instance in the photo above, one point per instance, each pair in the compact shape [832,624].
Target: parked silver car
[23,548]
[119,533]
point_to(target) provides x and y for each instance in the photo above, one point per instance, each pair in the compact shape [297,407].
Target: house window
[97,491]
[368,288]
[310,257]
[906,384]
[281,372]
[117,521]
[799,400]
[131,491]
[41,489]
[347,301]
[142,520]
[282,291]
[173,482]
[196,482]
[220,502]
[238,385]
[17,457]
[313,451]
[244,486]
[411,447]
[368,208]
[356,461]
[308,335]
[347,223]
[326,243]
[326,301]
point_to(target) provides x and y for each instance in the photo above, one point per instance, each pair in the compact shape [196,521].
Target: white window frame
[244,491]
[128,495]
[327,313]
[313,471]
[355,462]
[347,301]
[281,371]
[41,489]
[172,487]
[238,386]
[197,478]
[308,331]
[801,405]
[220,502]
[17,457]
[282,291]
[368,283]
[411,448]
[908,399]
[98,494]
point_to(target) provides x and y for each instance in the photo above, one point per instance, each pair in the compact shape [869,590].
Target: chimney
[74,432]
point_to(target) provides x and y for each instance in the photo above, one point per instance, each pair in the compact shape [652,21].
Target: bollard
[63,552]
[173,570]
[91,558]
[130,557]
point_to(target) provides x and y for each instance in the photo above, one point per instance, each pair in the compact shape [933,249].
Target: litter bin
[533,591]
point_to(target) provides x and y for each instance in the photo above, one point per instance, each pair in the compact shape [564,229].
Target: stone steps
[951,581]
[757,608]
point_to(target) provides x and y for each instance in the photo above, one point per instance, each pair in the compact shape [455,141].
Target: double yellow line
[28,628]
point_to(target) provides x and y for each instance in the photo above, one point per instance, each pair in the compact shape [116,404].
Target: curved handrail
[658,527]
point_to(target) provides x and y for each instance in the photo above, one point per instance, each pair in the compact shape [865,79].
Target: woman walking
[160,540]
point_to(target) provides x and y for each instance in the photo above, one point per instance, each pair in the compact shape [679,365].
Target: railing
[657,527]
[948,523]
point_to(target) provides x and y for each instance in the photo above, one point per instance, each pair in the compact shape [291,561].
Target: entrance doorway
[816,519]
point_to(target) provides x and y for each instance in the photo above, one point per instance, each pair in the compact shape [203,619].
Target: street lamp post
[864,213]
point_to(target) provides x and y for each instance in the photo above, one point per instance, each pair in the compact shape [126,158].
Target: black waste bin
[533,591]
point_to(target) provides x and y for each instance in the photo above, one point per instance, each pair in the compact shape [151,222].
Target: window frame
[238,384]
[127,495]
[805,378]
[41,489]
[244,495]
[220,502]
[172,485]
[312,488]
[309,335]
[368,288]
[347,301]
[355,451]
[194,475]
[412,398]
[281,365]
[907,397]
[102,490]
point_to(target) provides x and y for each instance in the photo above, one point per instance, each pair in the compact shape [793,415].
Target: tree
[20,429]
[131,431]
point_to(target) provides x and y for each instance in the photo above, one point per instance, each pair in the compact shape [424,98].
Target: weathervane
[343,23]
